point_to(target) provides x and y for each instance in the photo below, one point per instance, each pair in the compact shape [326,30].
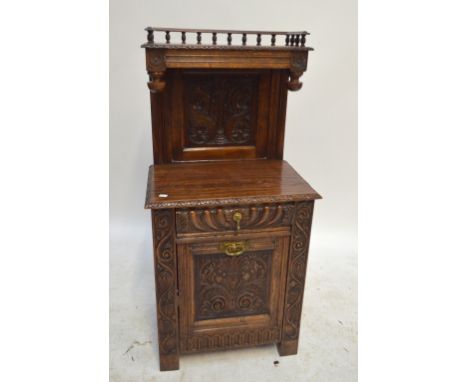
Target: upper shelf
[231,39]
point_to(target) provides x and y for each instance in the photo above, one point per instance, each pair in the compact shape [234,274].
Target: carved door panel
[231,290]
[220,114]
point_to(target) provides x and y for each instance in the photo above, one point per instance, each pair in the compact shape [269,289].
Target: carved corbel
[156,69]
[298,66]
[156,83]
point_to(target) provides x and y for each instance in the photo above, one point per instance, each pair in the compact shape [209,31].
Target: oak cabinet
[231,219]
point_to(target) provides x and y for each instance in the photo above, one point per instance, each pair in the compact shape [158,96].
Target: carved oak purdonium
[231,219]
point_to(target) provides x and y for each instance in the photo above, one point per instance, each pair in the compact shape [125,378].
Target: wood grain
[223,183]
[297,265]
[206,220]
[243,303]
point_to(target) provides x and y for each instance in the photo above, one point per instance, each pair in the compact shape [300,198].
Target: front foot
[169,362]
[287,347]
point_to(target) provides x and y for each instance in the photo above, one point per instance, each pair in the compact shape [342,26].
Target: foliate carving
[232,286]
[221,219]
[230,339]
[221,110]
[297,270]
[166,273]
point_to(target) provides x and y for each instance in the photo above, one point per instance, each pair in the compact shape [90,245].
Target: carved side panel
[297,270]
[165,268]
[230,339]
[232,286]
[221,218]
[220,110]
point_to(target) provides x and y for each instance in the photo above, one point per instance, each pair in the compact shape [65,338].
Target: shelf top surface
[209,184]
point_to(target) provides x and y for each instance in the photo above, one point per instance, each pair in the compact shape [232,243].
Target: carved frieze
[222,218]
[230,339]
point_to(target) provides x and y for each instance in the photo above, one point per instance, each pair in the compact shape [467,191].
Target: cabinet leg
[297,264]
[168,362]
[287,347]
[165,269]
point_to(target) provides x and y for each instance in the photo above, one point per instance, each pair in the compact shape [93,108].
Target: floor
[328,339]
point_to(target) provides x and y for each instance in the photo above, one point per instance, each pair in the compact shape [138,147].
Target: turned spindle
[303,39]
[184,37]
[150,36]
[244,38]
[297,40]
[229,38]
[168,37]
[214,38]
[259,39]
[273,39]
[287,40]
[198,37]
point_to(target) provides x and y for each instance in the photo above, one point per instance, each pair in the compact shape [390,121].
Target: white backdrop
[321,135]
[412,97]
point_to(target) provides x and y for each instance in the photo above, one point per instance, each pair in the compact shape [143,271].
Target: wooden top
[209,184]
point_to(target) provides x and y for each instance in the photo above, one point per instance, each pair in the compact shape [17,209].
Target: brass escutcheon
[234,248]
[237,217]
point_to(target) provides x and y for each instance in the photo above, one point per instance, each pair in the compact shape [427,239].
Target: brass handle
[237,217]
[234,248]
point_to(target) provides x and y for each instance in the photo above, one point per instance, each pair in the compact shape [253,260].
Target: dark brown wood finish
[241,93]
[231,219]
[220,114]
[295,284]
[165,269]
[231,301]
[212,184]
[219,219]
[291,39]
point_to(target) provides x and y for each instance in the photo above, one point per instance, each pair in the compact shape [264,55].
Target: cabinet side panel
[277,98]
[157,120]
[281,119]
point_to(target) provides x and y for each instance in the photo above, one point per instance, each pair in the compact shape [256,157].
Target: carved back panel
[220,109]
[220,115]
